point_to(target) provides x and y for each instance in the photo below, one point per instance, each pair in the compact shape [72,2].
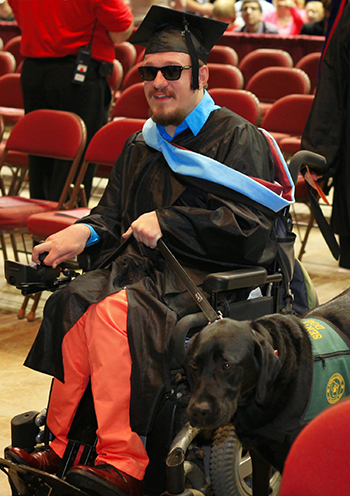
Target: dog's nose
[199,413]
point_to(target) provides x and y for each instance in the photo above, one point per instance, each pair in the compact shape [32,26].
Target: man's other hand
[146,229]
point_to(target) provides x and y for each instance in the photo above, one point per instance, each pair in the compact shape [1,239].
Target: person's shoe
[44,459]
[105,480]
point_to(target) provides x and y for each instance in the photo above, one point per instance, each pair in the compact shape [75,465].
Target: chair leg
[306,236]
[31,314]
[22,311]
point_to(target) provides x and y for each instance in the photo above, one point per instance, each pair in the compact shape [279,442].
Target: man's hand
[62,245]
[146,229]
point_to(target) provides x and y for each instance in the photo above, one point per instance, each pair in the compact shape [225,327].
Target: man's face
[172,101]
[251,13]
[314,11]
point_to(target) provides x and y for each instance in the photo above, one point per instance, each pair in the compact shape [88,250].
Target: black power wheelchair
[184,461]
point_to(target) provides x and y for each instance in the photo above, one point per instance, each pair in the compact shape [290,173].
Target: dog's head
[228,360]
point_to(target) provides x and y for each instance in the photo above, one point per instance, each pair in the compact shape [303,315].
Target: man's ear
[203,76]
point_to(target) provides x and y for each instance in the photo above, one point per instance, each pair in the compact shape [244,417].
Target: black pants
[47,84]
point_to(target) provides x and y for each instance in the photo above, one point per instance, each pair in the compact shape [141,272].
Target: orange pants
[97,347]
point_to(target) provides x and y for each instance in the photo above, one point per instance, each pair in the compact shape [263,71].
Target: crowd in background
[283,17]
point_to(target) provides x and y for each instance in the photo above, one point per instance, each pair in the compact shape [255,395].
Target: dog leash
[196,293]
[191,287]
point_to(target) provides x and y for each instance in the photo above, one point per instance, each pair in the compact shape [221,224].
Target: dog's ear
[269,366]
[189,350]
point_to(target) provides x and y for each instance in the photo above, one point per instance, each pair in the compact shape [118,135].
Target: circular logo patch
[335,388]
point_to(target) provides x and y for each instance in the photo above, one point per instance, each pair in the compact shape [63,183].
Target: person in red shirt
[53,32]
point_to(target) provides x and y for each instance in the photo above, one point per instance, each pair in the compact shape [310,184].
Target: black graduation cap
[168,30]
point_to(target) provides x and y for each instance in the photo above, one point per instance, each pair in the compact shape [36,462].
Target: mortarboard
[168,30]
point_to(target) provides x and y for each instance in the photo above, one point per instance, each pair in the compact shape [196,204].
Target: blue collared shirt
[195,121]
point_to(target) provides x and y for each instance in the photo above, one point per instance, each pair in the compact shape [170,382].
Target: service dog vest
[331,352]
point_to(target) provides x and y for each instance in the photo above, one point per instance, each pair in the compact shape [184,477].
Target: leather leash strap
[191,287]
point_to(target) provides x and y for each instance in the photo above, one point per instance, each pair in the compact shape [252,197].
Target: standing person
[53,34]
[327,129]
[176,180]
[252,13]
[6,13]
[318,27]
[225,11]
[266,6]
[288,18]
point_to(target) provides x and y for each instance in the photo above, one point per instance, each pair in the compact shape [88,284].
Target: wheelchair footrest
[36,482]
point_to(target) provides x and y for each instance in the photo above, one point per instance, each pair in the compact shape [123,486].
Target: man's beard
[175,119]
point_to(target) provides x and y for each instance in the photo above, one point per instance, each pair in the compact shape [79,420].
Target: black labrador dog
[258,375]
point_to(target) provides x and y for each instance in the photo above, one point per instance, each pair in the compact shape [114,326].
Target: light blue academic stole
[274,196]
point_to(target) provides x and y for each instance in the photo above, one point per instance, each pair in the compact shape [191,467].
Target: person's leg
[65,397]
[89,100]
[33,77]
[110,363]
[98,345]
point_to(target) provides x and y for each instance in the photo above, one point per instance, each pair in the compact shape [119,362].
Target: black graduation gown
[327,130]
[204,231]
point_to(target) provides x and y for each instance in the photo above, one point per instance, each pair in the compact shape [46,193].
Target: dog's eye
[226,366]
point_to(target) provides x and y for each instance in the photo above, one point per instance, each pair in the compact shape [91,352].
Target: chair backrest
[11,98]
[309,64]
[11,91]
[242,102]
[222,54]
[50,133]
[225,76]
[7,63]
[133,76]
[288,114]
[116,78]
[106,146]
[260,58]
[132,103]
[272,83]
[13,46]
[2,127]
[125,52]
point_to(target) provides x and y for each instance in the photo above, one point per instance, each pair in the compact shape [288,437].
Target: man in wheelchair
[201,178]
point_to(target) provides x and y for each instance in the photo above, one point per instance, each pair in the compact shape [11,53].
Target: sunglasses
[170,72]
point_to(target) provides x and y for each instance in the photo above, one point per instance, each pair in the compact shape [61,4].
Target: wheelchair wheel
[231,467]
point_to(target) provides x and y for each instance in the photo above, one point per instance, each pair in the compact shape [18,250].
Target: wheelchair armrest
[235,279]
[316,162]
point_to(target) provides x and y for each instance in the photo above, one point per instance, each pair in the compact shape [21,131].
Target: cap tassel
[193,55]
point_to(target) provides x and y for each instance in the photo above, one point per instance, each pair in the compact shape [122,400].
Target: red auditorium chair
[13,46]
[242,102]
[260,58]
[131,103]
[286,120]
[317,463]
[7,63]
[125,52]
[103,149]
[133,76]
[309,64]
[272,83]
[11,98]
[46,133]
[221,54]
[225,76]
